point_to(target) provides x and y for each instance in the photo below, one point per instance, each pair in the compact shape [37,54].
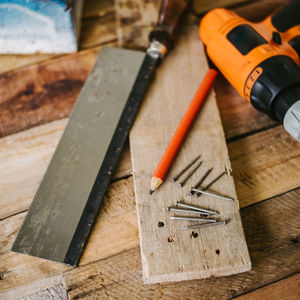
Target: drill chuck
[291,121]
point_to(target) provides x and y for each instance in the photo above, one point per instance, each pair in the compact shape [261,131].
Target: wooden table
[36,96]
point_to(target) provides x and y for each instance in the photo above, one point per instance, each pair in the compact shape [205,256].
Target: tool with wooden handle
[66,205]
[261,60]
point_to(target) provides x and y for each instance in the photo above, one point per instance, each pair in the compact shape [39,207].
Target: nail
[189,175]
[212,182]
[204,210]
[211,194]
[183,210]
[185,168]
[203,225]
[200,181]
[192,219]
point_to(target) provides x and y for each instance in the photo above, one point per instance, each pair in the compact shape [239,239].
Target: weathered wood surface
[202,6]
[288,288]
[274,249]
[135,20]
[264,165]
[272,260]
[57,292]
[115,231]
[42,93]
[98,23]
[271,171]
[184,258]
[46,92]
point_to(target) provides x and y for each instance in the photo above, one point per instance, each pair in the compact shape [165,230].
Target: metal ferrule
[157,49]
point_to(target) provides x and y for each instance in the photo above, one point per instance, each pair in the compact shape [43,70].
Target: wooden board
[288,288]
[274,248]
[275,253]
[184,257]
[135,19]
[201,6]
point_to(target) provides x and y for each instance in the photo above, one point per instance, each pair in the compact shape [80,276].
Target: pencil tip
[151,192]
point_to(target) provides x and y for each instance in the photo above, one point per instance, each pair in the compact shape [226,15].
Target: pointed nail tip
[151,192]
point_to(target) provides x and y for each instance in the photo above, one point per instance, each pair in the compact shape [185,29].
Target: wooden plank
[179,259]
[11,62]
[44,92]
[288,288]
[265,165]
[135,19]
[274,248]
[201,6]
[12,263]
[54,293]
[115,231]
[98,23]
[24,158]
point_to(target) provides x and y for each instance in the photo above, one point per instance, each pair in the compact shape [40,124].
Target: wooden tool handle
[170,13]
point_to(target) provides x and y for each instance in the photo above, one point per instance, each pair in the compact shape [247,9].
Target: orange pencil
[182,130]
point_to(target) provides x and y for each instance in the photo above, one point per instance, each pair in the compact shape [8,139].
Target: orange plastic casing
[241,70]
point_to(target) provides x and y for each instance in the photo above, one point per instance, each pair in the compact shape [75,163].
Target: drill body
[260,60]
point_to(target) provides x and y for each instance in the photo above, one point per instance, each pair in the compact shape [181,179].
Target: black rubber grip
[244,38]
[295,43]
[287,17]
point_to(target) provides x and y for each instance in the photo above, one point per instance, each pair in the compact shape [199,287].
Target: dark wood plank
[274,245]
[42,93]
[288,288]
[98,23]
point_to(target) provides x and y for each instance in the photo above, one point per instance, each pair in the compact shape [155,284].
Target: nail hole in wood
[217,251]
[194,234]
[161,224]
[170,239]
[294,240]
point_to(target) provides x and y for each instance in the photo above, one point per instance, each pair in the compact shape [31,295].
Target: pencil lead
[151,192]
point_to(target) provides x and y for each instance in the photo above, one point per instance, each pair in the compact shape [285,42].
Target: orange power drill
[261,60]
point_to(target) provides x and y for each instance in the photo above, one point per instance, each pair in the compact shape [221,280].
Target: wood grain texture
[98,23]
[11,62]
[135,19]
[264,165]
[24,158]
[42,93]
[288,288]
[201,6]
[31,146]
[57,292]
[184,257]
[274,248]
[115,231]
